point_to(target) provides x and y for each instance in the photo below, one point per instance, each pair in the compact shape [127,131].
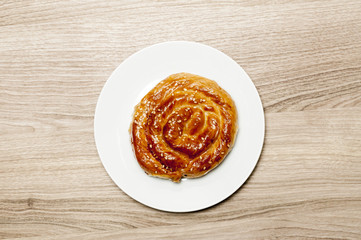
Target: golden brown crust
[184,127]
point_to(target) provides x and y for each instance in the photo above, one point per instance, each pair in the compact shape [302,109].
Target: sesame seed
[228,145]
[162,154]
[186,165]
[179,121]
[191,169]
[150,145]
[209,162]
[200,158]
[156,172]
[222,152]
[204,168]
[185,89]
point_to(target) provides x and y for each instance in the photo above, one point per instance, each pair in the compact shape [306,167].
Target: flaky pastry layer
[184,127]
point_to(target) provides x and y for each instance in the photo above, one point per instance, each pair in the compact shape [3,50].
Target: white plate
[131,81]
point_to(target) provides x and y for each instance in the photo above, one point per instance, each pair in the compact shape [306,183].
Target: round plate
[131,81]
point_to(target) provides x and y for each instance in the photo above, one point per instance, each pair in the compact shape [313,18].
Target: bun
[184,127]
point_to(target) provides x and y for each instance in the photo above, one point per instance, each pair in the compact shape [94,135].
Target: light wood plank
[304,182]
[303,56]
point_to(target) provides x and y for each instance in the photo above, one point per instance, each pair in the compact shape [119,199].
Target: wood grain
[303,56]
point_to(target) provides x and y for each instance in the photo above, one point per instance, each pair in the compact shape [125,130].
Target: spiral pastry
[184,127]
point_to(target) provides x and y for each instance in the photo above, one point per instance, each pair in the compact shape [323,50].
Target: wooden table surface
[303,56]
